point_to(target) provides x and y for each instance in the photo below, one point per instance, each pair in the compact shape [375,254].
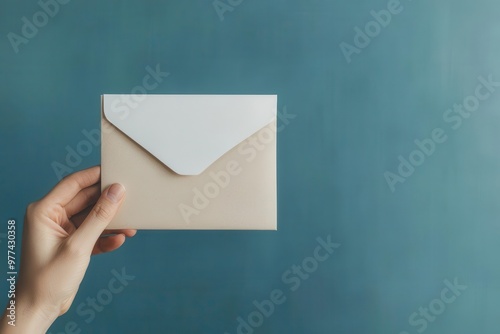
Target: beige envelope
[191,161]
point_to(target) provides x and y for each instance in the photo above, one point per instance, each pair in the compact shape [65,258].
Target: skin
[61,232]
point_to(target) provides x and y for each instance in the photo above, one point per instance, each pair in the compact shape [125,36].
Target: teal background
[352,122]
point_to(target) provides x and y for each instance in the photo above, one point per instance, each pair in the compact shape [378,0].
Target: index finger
[99,217]
[70,186]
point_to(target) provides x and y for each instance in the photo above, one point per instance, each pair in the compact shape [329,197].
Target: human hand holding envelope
[192,161]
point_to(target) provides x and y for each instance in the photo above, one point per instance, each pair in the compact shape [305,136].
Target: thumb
[99,217]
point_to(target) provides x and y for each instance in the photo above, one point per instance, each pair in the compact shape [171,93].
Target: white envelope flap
[189,132]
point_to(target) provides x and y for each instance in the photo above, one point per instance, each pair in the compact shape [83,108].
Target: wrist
[23,316]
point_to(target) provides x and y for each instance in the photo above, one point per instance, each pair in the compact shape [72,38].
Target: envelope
[191,162]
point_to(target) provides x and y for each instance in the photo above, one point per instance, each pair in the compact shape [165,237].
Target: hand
[61,231]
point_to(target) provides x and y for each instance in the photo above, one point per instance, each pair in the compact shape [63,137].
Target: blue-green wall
[352,122]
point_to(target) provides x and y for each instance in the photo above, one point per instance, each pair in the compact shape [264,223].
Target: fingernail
[115,192]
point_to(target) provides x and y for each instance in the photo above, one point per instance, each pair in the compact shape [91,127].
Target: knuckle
[66,306]
[32,209]
[64,310]
[78,180]
[102,211]
[91,196]
[74,182]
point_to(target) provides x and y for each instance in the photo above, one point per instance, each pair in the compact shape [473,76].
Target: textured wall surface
[389,111]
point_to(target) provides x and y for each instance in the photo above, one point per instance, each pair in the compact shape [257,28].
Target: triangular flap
[189,132]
